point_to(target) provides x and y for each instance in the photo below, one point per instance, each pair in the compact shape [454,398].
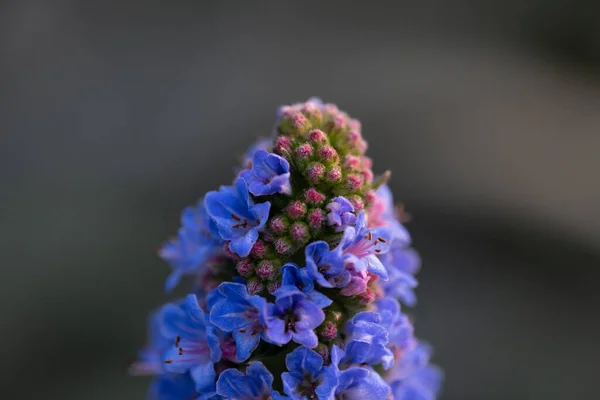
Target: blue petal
[259,373]
[302,361]
[319,299]
[231,384]
[329,382]
[204,377]
[242,245]
[306,338]
[245,344]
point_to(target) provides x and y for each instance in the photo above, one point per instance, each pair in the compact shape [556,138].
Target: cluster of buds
[302,261]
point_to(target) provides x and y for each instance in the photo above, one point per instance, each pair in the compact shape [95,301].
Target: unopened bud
[304,151]
[299,232]
[255,285]
[316,218]
[283,246]
[279,224]
[245,267]
[265,269]
[323,350]
[317,136]
[357,203]
[274,285]
[312,112]
[354,182]
[367,175]
[328,154]
[366,298]
[259,250]
[329,331]
[352,162]
[296,209]
[283,145]
[313,196]
[334,174]
[315,172]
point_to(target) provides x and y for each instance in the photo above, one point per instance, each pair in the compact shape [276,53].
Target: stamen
[235,217]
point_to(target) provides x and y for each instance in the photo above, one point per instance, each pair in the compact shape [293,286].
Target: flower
[399,327]
[177,387]
[413,378]
[307,377]
[236,216]
[150,359]
[255,384]
[293,317]
[298,278]
[341,213]
[361,247]
[357,383]
[324,266]
[402,264]
[382,213]
[260,144]
[233,310]
[194,245]
[368,341]
[269,174]
[195,346]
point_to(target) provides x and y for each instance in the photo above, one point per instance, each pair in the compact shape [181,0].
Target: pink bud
[316,218]
[334,174]
[304,151]
[283,246]
[317,136]
[355,125]
[339,122]
[329,331]
[366,162]
[279,224]
[328,153]
[265,269]
[367,297]
[323,351]
[313,112]
[354,182]
[314,197]
[255,286]
[245,267]
[299,122]
[274,285]
[283,144]
[315,172]
[371,197]
[354,137]
[259,250]
[299,232]
[331,108]
[367,175]
[357,203]
[296,209]
[351,162]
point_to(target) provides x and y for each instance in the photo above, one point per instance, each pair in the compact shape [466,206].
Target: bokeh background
[115,115]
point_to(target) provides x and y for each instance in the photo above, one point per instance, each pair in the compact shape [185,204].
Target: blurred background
[116,115]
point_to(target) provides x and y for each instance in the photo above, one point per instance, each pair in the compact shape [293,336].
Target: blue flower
[357,383]
[402,263]
[293,317]
[194,245]
[400,329]
[326,267]
[361,247]
[177,387]
[382,213]
[195,344]
[260,144]
[413,378]
[368,341]
[254,385]
[236,216]
[233,310]
[341,213]
[269,174]
[297,277]
[307,377]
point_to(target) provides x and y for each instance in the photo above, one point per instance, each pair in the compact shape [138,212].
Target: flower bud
[333,174]
[296,209]
[367,297]
[351,162]
[314,197]
[259,250]
[283,145]
[354,182]
[304,151]
[317,136]
[265,269]
[245,267]
[274,285]
[299,233]
[328,154]
[283,246]
[315,172]
[328,331]
[312,112]
[255,285]
[279,224]
[357,203]
[367,175]
[316,218]
[323,350]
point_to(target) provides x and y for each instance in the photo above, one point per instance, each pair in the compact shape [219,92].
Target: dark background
[114,117]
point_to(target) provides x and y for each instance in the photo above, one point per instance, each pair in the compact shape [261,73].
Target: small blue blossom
[195,346]
[150,360]
[361,247]
[368,339]
[413,378]
[233,310]
[326,267]
[357,383]
[269,174]
[402,263]
[297,277]
[194,245]
[178,387]
[293,317]
[400,329]
[382,213]
[307,377]
[254,385]
[341,214]
[260,144]
[236,216]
